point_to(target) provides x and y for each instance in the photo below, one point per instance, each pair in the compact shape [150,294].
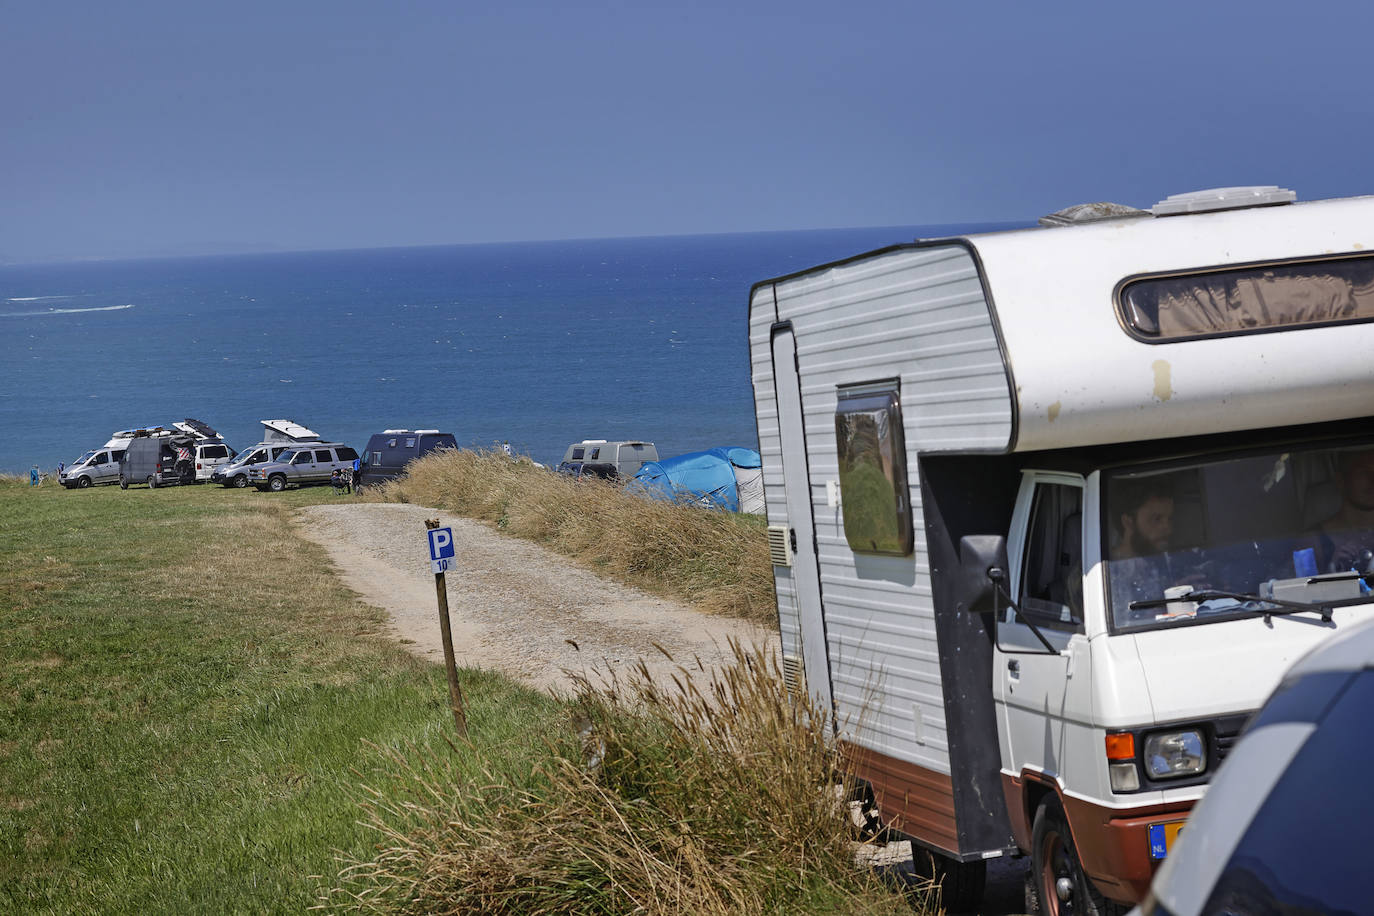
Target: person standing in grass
[33,476]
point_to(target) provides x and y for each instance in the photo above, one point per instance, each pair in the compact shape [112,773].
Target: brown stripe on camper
[911,799]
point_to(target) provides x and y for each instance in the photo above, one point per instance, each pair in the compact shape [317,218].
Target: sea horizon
[535,343]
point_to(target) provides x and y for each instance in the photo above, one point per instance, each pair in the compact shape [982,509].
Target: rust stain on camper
[1054,411]
[1164,388]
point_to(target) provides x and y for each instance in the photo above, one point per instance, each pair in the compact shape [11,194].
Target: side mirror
[982,567]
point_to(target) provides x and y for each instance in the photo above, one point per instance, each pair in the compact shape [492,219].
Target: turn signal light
[1121,746]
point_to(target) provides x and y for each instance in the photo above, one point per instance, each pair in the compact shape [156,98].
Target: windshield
[86,456]
[1289,526]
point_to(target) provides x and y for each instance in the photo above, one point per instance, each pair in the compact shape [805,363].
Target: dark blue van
[390,451]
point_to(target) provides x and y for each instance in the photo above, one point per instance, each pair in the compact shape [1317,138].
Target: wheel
[277,483]
[123,482]
[1058,882]
[961,883]
[83,482]
[239,482]
[152,481]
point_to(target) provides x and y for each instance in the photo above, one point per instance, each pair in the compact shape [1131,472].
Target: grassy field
[717,561]
[189,703]
[196,717]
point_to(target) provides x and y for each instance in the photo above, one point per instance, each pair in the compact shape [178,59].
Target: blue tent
[727,478]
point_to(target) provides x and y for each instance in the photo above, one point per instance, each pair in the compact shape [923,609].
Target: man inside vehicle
[1143,532]
[1346,540]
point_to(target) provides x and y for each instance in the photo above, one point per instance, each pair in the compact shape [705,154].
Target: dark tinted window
[1302,852]
[346,454]
[578,453]
[301,458]
[116,456]
[276,453]
[215,451]
[1052,577]
[102,458]
[323,455]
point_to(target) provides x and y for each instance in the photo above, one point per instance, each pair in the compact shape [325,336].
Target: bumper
[1113,843]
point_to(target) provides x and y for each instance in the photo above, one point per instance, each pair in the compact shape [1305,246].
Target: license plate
[1162,837]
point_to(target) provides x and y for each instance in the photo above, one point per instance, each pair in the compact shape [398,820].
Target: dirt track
[516,607]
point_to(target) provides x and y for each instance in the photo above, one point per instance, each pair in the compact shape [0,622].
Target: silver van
[308,464]
[94,468]
[600,458]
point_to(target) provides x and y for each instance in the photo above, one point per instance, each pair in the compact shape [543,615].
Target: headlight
[1169,755]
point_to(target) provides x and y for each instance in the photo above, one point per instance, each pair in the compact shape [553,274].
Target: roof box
[1223,199]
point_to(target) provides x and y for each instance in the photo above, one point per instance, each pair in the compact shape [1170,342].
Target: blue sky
[139,128]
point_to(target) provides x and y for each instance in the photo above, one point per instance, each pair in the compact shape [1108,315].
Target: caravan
[1052,510]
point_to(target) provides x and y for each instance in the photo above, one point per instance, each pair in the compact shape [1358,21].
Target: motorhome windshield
[86,456]
[1286,527]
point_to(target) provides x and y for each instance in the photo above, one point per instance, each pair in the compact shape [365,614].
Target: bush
[671,800]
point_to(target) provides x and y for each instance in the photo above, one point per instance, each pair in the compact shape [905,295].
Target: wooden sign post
[441,556]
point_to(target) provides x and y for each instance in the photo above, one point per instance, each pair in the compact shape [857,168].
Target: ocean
[539,343]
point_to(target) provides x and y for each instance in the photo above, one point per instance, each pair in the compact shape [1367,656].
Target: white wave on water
[98,308]
[34,298]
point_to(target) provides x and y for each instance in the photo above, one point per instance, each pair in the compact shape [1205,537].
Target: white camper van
[1052,510]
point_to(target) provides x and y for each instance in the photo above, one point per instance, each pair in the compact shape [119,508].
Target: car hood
[1227,667]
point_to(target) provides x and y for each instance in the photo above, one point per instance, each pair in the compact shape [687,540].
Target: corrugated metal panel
[918,315]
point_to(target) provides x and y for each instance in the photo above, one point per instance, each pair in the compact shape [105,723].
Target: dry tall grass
[715,560]
[673,800]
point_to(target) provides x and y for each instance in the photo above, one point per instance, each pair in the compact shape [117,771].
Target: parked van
[301,466]
[1052,510]
[158,458]
[597,457]
[100,466]
[278,436]
[97,466]
[390,451]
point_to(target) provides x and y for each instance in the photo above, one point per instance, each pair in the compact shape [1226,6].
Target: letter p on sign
[440,549]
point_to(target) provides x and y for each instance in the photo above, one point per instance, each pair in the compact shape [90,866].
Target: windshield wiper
[1279,608]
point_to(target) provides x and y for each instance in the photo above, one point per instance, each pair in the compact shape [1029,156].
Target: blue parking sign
[440,549]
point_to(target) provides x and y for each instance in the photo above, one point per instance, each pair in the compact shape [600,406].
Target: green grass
[189,703]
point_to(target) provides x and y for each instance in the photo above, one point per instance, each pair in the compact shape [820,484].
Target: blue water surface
[538,343]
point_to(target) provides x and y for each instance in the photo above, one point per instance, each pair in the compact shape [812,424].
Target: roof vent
[1091,213]
[1223,199]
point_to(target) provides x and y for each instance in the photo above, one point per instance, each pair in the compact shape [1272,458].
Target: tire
[123,482]
[276,483]
[152,481]
[1058,883]
[83,482]
[239,482]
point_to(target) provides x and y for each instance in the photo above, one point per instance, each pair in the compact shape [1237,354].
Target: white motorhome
[1051,511]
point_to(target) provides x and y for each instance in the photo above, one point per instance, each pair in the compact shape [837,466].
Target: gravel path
[515,606]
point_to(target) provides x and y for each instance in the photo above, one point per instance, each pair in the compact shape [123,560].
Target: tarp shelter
[727,478]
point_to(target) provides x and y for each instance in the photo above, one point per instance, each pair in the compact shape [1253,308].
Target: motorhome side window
[1052,576]
[1248,300]
[873,483]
